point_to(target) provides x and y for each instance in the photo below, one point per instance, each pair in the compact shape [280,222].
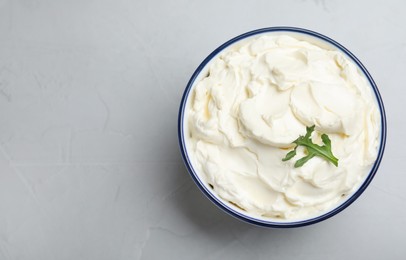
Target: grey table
[89,160]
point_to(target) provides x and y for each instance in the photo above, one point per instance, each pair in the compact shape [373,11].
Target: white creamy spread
[257,98]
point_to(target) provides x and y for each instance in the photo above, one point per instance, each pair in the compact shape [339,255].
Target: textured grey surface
[89,162]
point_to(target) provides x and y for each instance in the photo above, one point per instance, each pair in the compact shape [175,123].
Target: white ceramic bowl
[201,72]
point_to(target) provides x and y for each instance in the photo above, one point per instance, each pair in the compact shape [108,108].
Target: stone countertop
[89,160]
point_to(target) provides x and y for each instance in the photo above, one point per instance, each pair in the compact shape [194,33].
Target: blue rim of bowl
[269,223]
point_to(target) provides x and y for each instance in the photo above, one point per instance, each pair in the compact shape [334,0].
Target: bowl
[231,209]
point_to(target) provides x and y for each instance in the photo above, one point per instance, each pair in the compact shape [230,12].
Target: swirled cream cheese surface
[257,98]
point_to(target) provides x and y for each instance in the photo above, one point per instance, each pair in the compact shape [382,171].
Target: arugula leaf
[290,155]
[312,149]
[300,162]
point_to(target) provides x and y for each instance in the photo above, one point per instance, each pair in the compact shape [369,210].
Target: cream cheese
[257,98]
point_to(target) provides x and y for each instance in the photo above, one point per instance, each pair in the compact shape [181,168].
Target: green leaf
[289,155]
[326,140]
[303,160]
[309,131]
[312,148]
